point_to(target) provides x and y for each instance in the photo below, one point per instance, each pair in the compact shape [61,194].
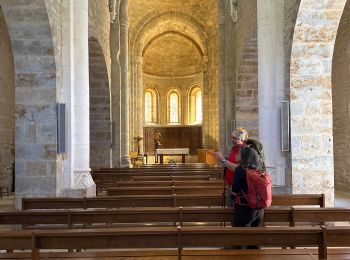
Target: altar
[172,151]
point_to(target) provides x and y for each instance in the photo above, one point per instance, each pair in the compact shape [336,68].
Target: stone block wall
[35,102]
[311,92]
[100,128]
[99,27]
[245,26]
[99,77]
[341,102]
[7,102]
[247,90]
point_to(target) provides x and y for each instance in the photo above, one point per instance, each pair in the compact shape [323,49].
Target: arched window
[150,101]
[195,114]
[174,108]
[199,115]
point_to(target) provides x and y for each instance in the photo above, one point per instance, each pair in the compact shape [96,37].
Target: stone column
[115,91]
[222,86]
[206,104]
[124,84]
[271,83]
[139,99]
[76,94]
[311,97]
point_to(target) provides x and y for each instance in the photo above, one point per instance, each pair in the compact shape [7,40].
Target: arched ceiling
[205,12]
[172,55]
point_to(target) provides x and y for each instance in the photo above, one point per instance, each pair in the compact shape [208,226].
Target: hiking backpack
[259,194]
[258,147]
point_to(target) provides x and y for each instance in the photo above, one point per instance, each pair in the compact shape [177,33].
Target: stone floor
[342,199]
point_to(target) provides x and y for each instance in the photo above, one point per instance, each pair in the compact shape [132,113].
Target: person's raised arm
[226,163]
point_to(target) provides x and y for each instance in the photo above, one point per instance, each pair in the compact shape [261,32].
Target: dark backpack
[258,147]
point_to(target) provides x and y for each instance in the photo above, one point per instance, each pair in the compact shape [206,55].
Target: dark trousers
[244,216]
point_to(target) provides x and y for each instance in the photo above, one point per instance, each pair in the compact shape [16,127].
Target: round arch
[310,97]
[170,22]
[184,36]
[169,91]
[340,102]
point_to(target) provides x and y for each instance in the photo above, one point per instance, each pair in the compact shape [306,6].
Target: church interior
[111,111]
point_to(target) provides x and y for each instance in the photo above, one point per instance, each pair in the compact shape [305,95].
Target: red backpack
[259,194]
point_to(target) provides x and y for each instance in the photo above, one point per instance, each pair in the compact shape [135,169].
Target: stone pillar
[206,104]
[222,86]
[271,84]
[76,95]
[139,100]
[311,97]
[124,84]
[115,92]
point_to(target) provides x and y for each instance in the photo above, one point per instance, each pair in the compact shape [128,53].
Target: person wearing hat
[239,138]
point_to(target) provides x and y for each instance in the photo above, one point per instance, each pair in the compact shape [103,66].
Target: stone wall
[247,90]
[7,101]
[99,28]
[291,8]
[172,55]
[341,104]
[245,26]
[100,131]
[35,79]
[311,92]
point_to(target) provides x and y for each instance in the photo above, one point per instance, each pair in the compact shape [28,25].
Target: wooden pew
[171,165]
[179,190]
[128,175]
[161,201]
[164,171]
[167,215]
[191,254]
[104,183]
[299,200]
[132,215]
[136,183]
[152,167]
[124,201]
[172,237]
[172,178]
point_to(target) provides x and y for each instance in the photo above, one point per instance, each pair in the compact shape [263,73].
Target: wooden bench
[123,201]
[174,237]
[172,178]
[161,201]
[171,254]
[125,175]
[103,183]
[179,190]
[165,171]
[156,167]
[180,216]
[137,183]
